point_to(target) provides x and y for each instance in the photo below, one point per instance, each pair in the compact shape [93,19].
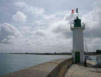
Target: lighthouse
[78,39]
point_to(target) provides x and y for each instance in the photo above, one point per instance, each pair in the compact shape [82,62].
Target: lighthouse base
[78,57]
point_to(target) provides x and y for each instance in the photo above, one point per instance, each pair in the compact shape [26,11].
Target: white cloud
[49,17]
[19,17]
[93,22]
[20,4]
[33,10]
[7,32]
[38,11]
[92,30]
[53,34]
[92,18]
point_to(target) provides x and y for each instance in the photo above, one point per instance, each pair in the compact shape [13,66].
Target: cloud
[20,4]
[92,21]
[62,26]
[39,33]
[32,10]
[19,17]
[49,32]
[7,32]
[38,11]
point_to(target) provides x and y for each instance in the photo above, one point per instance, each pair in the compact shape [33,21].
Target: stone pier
[56,68]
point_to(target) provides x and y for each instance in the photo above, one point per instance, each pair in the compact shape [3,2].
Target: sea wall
[60,69]
[56,68]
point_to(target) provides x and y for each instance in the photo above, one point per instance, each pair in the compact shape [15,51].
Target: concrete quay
[80,71]
[56,68]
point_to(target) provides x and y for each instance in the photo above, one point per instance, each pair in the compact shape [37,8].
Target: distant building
[98,51]
[98,58]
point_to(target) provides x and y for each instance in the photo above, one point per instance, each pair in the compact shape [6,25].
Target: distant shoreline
[88,53]
[44,53]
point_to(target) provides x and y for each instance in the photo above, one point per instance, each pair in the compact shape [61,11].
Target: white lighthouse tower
[78,40]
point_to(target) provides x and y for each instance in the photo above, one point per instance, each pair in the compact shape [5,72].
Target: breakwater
[56,68]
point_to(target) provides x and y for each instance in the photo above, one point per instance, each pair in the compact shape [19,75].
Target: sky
[44,25]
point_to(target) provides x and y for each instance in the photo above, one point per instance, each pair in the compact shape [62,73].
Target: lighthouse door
[77,57]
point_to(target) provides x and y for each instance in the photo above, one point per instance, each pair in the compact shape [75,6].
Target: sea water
[14,62]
